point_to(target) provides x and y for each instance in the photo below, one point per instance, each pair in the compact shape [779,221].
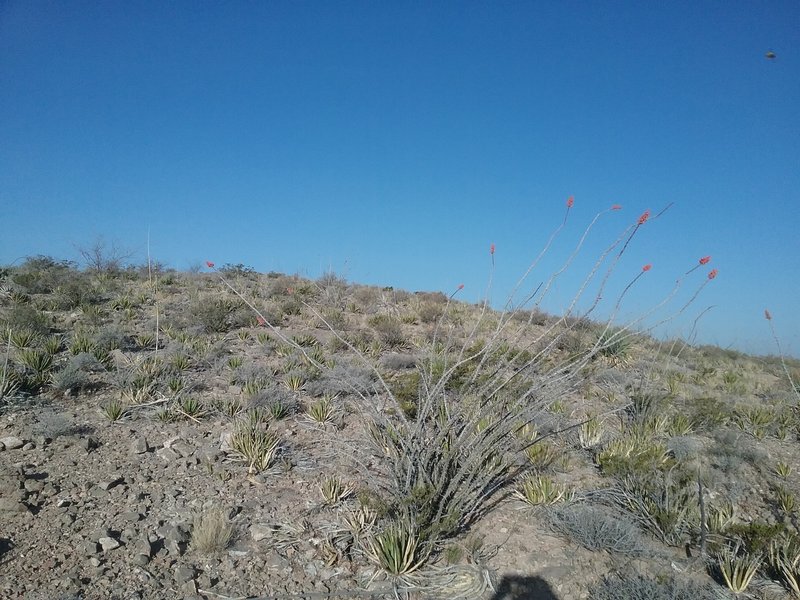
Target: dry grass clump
[211,531]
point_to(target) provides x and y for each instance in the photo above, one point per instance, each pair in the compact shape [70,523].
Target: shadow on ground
[512,587]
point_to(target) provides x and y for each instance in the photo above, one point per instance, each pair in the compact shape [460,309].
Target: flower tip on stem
[705,260]
[616,207]
[570,201]
[712,273]
[209,264]
[460,286]
[644,216]
[767,315]
[647,267]
[491,249]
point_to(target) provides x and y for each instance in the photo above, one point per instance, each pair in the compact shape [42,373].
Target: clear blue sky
[394,141]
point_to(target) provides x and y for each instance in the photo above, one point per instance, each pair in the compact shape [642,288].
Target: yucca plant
[539,490]
[114,410]
[52,344]
[738,567]
[334,490]
[783,470]
[590,433]
[278,409]
[256,446]
[293,383]
[191,407]
[396,550]
[23,338]
[234,362]
[81,343]
[786,500]
[321,412]
[784,557]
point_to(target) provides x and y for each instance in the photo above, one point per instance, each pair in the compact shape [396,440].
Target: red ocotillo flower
[643,218]
[570,201]
[491,249]
[209,264]
[704,260]
[767,315]
[261,321]
[460,286]
[712,273]
[616,207]
[647,267]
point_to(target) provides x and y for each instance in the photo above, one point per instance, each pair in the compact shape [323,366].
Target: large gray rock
[12,442]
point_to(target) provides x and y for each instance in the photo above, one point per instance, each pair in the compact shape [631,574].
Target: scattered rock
[107,485]
[140,446]
[184,573]
[167,454]
[12,442]
[12,505]
[259,531]
[108,543]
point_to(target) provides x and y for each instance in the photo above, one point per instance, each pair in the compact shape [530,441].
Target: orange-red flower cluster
[491,249]
[647,267]
[704,260]
[461,286]
[616,207]
[209,264]
[570,201]
[712,273]
[644,217]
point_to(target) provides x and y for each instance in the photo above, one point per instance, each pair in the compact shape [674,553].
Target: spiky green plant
[590,433]
[784,557]
[255,445]
[738,567]
[396,549]
[540,490]
[334,490]
[114,410]
[321,411]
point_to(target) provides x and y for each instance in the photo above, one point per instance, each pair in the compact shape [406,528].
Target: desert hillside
[230,434]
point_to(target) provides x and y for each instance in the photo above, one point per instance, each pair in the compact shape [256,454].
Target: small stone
[100,533]
[141,559]
[11,505]
[107,485]
[33,485]
[95,562]
[28,446]
[167,454]
[98,492]
[131,516]
[183,574]
[89,547]
[12,442]
[140,446]
[259,531]
[108,543]
[89,444]
[182,448]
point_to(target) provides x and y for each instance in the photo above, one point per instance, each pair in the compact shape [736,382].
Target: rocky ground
[120,477]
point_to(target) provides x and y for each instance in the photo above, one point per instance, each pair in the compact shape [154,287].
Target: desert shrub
[26,318]
[430,312]
[70,379]
[111,337]
[639,587]
[344,378]
[397,362]
[42,274]
[237,270]
[389,330]
[597,529]
[665,504]
[75,292]
[219,315]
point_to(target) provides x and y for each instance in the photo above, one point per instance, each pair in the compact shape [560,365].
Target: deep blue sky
[394,141]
